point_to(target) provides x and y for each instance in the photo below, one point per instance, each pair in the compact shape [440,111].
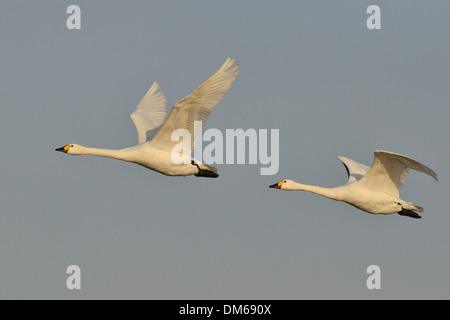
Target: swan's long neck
[331,193]
[108,153]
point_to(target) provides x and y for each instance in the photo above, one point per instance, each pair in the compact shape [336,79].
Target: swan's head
[70,149]
[283,184]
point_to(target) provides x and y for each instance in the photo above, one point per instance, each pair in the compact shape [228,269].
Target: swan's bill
[277,185]
[63,149]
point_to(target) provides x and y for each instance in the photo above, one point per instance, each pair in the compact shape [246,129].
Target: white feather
[149,114]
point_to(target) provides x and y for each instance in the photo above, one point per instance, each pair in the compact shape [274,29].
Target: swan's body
[375,189]
[155,146]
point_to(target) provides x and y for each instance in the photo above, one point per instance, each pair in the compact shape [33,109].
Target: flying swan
[154,149]
[375,189]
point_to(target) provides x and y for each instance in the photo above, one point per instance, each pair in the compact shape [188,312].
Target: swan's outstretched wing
[149,114]
[355,170]
[196,107]
[389,171]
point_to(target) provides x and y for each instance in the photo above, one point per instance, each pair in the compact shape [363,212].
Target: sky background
[311,69]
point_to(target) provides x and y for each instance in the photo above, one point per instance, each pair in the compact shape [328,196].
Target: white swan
[155,146]
[375,189]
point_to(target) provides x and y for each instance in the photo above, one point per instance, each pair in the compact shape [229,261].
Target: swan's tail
[412,207]
[205,170]
[409,209]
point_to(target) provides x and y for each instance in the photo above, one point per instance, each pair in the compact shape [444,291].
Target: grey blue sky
[311,69]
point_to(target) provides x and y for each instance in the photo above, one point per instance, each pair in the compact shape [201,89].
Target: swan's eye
[71,146]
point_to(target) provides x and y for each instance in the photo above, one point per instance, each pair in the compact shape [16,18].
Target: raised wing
[355,170]
[149,114]
[390,170]
[196,107]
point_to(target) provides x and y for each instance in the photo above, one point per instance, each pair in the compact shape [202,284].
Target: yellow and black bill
[63,149]
[277,185]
